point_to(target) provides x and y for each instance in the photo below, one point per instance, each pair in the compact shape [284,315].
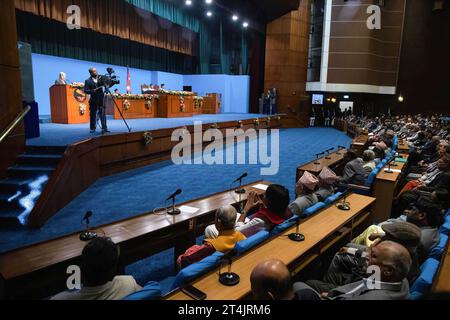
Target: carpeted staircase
[25,182]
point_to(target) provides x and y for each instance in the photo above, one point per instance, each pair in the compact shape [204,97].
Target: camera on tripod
[109,80]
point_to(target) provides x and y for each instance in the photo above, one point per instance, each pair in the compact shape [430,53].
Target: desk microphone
[344,205]
[317,162]
[229,278]
[174,211]
[87,235]
[296,236]
[328,153]
[240,190]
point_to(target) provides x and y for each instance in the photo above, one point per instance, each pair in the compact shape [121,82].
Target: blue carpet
[141,190]
[53,134]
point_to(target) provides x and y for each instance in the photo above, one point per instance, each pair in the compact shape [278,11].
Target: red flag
[128,81]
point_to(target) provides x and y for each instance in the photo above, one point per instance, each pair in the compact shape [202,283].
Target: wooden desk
[359,144]
[42,265]
[336,158]
[403,147]
[441,283]
[174,106]
[132,108]
[385,189]
[321,231]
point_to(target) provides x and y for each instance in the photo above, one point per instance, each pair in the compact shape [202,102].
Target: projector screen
[317,99]
[345,105]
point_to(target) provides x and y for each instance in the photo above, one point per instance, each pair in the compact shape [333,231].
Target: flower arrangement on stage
[198,102]
[176,93]
[182,104]
[77,85]
[126,105]
[82,109]
[137,96]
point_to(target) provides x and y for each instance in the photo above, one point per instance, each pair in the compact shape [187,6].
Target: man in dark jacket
[94,88]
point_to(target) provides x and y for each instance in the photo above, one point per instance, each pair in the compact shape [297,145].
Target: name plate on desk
[392,170]
[187,209]
[261,187]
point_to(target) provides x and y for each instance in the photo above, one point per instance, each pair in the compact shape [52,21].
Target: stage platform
[63,134]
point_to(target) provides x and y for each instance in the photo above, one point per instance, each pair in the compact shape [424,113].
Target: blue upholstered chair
[371,178]
[438,249]
[313,209]
[250,242]
[284,226]
[332,198]
[445,228]
[196,269]
[151,291]
[422,285]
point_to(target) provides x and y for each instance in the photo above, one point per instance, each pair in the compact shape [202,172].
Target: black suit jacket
[96,95]
[442,181]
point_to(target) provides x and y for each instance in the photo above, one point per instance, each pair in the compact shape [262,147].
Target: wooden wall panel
[359,55]
[10,90]
[286,59]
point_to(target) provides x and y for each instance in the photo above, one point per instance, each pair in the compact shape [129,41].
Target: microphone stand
[296,236]
[344,206]
[173,211]
[240,190]
[108,93]
[229,278]
[88,235]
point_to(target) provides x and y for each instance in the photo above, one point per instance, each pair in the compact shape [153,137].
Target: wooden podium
[174,106]
[69,105]
[211,103]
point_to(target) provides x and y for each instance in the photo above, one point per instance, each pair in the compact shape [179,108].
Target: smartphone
[194,292]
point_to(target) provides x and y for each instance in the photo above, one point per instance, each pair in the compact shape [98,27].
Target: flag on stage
[128,81]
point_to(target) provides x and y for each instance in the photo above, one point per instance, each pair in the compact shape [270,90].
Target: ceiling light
[188,2]
[235,18]
[245,24]
[400,98]
[209,13]
[208,1]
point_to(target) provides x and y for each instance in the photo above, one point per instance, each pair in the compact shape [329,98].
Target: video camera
[109,80]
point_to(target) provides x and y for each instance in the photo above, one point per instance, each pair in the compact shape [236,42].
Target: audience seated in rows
[271,210]
[354,172]
[393,262]
[306,196]
[327,179]
[227,237]
[99,261]
[348,265]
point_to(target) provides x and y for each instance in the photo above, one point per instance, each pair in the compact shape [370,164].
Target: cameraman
[94,88]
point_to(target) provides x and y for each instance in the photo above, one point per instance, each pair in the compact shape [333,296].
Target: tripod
[109,94]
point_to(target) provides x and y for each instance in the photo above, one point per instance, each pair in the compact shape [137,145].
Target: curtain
[225,59]
[244,52]
[205,48]
[121,19]
[53,38]
[168,11]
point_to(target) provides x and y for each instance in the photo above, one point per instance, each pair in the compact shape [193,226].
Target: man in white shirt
[99,261]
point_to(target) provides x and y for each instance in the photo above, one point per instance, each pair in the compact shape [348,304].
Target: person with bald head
[271,280]
[387,266]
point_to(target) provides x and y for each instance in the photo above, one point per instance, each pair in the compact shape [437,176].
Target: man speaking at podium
[94,88]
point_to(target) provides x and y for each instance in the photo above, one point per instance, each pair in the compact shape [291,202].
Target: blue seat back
[438,249]
[371,178]
[151,291]
[313,209]
[445,228]
[197,269]
[423,283]
[250,242]
[333,198]
[284,226]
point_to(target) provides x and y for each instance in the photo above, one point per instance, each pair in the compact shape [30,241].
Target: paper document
[187,209]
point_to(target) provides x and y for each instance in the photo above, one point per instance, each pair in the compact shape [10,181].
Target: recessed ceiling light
[235,18]
[209,13]
[245,24]
[188,2]
[208,1]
